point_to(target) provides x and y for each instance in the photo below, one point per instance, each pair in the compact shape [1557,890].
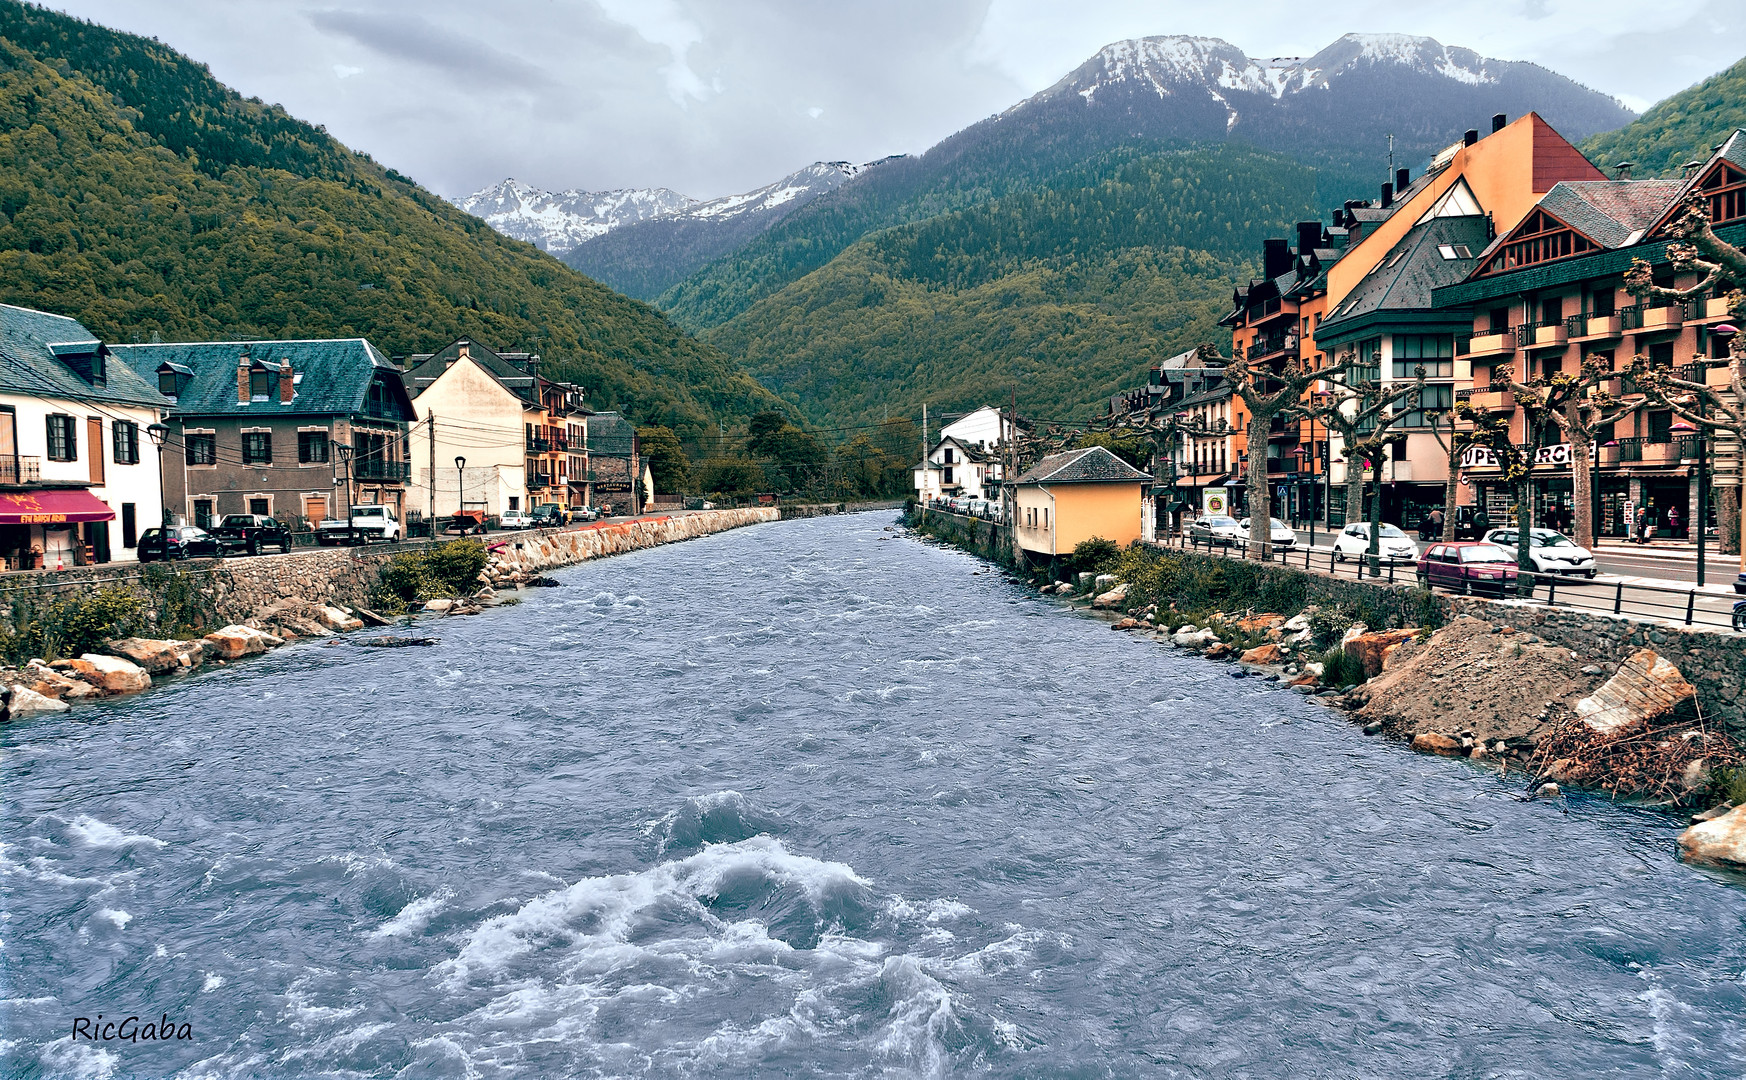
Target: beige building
[1075,496]
[475,407]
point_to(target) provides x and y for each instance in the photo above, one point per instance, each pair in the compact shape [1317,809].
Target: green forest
[142,197]
[1682,128]
[1059,295]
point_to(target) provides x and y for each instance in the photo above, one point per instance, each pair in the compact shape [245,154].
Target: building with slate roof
[1548,296]
[78,468]
[1068,498]
[616,459]
[473,448]
[298,430]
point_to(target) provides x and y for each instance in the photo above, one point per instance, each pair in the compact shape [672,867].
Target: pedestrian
[1433,526]
[1646,523]
[1673,521]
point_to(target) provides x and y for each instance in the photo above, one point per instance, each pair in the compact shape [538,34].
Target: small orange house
[1074,496]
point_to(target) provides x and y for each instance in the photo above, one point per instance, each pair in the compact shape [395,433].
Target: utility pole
[431,433]
[1008,489]
[924,463]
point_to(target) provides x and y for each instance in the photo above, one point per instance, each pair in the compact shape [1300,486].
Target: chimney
[1309,237]
[464,352]
[1471,137]
[287,384]
[1498,121]
[1387,196]
[1623,169]
[242,378]
[1402,177]
[1275,258]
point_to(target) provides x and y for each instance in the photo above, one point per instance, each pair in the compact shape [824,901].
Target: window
[1499,320]
[1433,352]
[1661,354]
[63,438]
[260,384]
[167,383]
[203,513]
[126,438]
[201,449]
[129,525]
[948,458]
[1551,311]
[1434,398]
[260,505]
[948,475]
[311,447]
[1661,426]
[1369,367]
[257,447]
[1602,303]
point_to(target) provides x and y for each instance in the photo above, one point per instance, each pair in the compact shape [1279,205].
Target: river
[816,799]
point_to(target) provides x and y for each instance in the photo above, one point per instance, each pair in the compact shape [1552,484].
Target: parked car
[1280,535]
[1216,529]
[514,519]
[253,533]
[1392,545]
[548,516]
[177,542]
[1551,551]
[1468,567]
[367,523]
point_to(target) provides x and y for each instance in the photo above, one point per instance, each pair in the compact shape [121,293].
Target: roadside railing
[1683,606]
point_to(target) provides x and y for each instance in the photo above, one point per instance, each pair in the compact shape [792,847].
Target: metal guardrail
[1687,607]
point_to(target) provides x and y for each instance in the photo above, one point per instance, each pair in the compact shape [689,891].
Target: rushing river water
[813,798]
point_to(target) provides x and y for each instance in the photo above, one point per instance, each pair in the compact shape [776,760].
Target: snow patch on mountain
[558,221]
[1172,65]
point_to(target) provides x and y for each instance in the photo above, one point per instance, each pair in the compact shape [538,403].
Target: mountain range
[557,221]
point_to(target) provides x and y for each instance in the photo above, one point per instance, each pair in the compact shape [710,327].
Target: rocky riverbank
[1482,688]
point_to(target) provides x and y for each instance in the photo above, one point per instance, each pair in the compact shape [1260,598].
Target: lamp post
[460,484]
[1685,429]
[159,433]
[344,450]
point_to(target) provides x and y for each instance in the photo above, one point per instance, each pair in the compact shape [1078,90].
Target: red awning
[52,508]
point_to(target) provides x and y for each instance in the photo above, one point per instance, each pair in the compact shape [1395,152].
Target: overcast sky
[711,97]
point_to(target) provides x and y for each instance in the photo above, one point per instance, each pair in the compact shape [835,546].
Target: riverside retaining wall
[535,552]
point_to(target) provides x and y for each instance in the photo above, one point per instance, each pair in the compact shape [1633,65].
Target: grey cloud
[411,37]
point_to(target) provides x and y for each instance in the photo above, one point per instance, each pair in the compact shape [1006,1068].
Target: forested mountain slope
[1064,293]
[142,197]
[1680,129]
[1335,111]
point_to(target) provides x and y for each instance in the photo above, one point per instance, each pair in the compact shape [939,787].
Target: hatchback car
[1551,551]
[1215,529]
[1392,545]
[176,542]
[1280,535]
[1468,567]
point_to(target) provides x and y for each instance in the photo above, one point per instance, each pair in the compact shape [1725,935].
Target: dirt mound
[1475,678]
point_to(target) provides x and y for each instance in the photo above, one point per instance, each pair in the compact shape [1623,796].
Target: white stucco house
[79,471]
[958,466]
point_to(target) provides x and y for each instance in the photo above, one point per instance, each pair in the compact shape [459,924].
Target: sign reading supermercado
[1558,456]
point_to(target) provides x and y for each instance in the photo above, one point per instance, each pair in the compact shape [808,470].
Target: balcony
[1716,308]
[377,469]
[1271,346]
[15,470]
[1648,320]
[1591,327]
[1498,344]
[538,480]
[1491,399]
[1547,335]
[1640,450]
[1686,447]
[539,446]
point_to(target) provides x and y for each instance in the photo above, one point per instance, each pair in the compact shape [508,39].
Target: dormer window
[260,384]
[86,359]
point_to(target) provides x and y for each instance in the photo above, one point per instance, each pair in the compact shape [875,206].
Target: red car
[1468,567]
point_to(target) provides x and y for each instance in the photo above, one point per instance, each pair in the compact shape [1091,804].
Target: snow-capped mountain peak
[558,221]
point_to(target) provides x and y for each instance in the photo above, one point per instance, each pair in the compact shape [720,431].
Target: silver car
[1392,545]
[1216,529]
[1280,535]
[1550,551]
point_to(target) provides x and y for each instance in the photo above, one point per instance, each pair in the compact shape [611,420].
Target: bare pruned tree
[1366,411]
[1720,410]
[1580,405]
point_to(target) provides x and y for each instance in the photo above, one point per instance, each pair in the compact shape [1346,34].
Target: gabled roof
[1089,465]
[1612,213]
[1403,280]
[1732,150]
[34,350]
[430,368]
[972,451]
[333,375]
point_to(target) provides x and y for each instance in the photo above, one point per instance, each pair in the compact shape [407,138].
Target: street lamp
[159,433]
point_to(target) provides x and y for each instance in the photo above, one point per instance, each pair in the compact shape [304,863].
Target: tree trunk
[1260,495]
[1582,486]
[1450,494]
[1524,538]
[1376,512]
[1727,519]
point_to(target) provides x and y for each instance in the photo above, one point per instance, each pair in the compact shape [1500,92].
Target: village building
[296,430]
[1548,297]
[617,476]
[79,467]
[470,450]
[967,458]
[1075,496]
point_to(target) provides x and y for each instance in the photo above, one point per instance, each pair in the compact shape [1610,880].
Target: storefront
[53,529]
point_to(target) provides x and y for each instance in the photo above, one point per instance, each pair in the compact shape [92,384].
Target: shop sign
[1558,456]
[1215,502]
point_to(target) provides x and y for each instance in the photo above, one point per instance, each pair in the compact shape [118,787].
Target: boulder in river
[23,701]
[335,619]
[1114,598]
[111,674]
[1647,689]
[1255,624]
[1720,840]
[156,655]
[236,641]
[55,684]
[1262,654]
[1433,742]
[1370,649]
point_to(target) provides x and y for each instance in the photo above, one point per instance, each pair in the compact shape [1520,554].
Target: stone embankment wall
[986,538]
[806,510]
[532,553]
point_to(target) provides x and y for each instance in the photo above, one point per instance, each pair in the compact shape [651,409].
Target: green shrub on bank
[442,570]
[1339,668]
[72,625]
